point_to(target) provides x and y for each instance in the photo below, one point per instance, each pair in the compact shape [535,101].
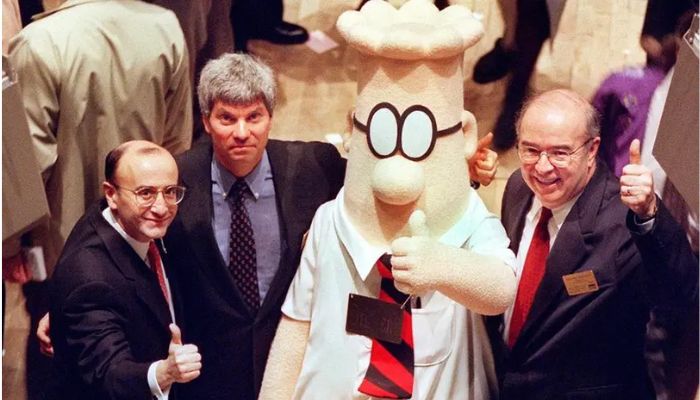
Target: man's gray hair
[555,98]
[235,78]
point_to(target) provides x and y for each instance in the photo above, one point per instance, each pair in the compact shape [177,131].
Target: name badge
[580,283]
[374,318]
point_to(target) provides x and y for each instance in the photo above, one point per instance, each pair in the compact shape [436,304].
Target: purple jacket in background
[623,101]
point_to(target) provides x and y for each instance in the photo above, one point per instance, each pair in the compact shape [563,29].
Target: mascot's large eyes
[412,133]
[383,131]
[417,134]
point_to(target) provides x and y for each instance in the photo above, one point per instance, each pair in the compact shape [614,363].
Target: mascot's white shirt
[451,349]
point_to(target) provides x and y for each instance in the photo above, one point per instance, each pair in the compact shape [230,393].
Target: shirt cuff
[153,383]
[645,227]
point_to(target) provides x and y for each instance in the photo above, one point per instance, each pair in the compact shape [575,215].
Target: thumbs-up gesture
[637,185]
[183,363]
[481,282]
[484,163]
[412,258]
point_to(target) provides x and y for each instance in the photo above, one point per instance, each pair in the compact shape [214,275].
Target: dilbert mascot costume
[397,269]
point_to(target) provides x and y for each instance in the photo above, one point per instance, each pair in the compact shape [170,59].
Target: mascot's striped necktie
[390,371]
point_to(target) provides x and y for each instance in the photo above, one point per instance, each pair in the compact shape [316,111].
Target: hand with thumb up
[411,258]
[183,363]
[637,185]
[484,163]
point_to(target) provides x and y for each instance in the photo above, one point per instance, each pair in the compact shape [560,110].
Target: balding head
[563,99]
[557,145]
[139,147]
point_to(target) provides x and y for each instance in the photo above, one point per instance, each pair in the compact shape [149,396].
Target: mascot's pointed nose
[397,180]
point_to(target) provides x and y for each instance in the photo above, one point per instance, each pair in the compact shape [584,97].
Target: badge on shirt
[374,318]
[580,283]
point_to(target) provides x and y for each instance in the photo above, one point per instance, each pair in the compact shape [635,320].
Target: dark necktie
[242,260]
[533,271]
[390,371]
[157,266]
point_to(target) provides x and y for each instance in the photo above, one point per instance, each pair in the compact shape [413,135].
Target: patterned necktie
[533,271]
[390,371]
[156,264]
[242,260]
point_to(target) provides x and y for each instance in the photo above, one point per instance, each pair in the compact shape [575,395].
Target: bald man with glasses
[114,304]
[590,263]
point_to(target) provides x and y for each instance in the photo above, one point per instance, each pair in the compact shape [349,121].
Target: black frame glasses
[559,158]
[147,195]
[385,127]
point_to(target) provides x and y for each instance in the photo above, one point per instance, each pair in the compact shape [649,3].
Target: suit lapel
[144,281]
[282,176]
[516,214]
[569,250]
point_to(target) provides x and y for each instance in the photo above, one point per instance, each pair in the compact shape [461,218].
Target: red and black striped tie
[390,371]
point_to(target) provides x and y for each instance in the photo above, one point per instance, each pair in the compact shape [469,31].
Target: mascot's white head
[411,135]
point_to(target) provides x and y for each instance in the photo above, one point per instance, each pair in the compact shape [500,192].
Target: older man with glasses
[113,303]
[588,268]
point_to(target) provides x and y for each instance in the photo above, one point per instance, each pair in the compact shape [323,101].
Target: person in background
[208,33]
[262,19]
[624,98]
[527,27]
[126,78]
[11,23]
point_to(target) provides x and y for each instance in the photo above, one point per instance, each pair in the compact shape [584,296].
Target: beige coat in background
[11,22]
[96,73]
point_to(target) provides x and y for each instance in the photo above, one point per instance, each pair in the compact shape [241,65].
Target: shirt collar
[255,179]
[62,6]
[364,255]
[559,214]
[141,248]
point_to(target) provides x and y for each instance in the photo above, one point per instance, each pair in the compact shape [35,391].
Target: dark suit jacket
[109,319]
[672,333]
[233,342]
[670,262]
[588,346]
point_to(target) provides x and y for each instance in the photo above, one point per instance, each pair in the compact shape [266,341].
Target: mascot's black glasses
[385,128]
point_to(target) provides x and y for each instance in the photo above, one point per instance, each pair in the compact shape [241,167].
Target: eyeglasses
[559,158]
[147,195]
[386,126]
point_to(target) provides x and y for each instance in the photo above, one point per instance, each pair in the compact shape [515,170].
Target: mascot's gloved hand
[418,261]
[482,283]
[484,163]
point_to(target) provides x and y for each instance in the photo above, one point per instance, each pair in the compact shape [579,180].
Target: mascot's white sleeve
[288,348]
[285,359]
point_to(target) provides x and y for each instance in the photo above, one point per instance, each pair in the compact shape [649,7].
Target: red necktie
[532,274]
[157,267]
[390,371]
